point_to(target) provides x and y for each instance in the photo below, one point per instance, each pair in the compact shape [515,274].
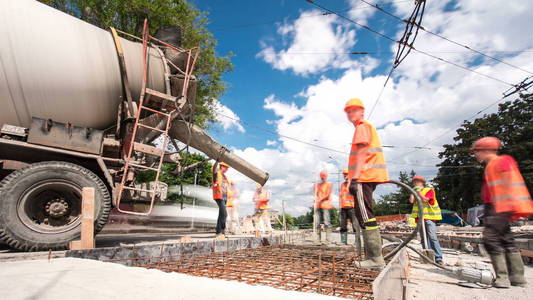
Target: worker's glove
[353,187]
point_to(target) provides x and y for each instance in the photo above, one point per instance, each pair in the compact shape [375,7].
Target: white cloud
[232,119]
[271,143]
[435,103]
[316,43]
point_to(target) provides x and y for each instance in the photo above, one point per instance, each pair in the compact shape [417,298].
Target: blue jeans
[432,240]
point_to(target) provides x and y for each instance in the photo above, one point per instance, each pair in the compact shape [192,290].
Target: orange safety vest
[374,169]
[508,194]
[346,199]
[322,190]
[261,200]
[219,186]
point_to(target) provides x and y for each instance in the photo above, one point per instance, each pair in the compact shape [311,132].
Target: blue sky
[292,76]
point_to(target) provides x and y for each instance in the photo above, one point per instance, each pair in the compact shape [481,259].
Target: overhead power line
[412,48]
[523,86]
[246,124]
[376,6]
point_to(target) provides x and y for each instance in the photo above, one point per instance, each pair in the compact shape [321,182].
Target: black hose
[399,241]
[418,224]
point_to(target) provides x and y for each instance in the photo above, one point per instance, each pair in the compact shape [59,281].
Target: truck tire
[40,205]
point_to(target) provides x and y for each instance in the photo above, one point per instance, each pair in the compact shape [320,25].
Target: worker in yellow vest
[220,194]
[322,202]
[506,198]
[347,211]
[432,214]
[366,169]
[232,223]
[262,217]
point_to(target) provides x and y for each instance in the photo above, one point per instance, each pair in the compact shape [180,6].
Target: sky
[293,74]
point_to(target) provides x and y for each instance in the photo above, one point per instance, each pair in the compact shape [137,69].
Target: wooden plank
[527,253]
[87,221]
[160,95]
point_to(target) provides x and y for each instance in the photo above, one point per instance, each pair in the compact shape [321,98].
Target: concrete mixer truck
[85,107]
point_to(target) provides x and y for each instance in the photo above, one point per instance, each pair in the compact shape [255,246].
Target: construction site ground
[428,282]
[77,278]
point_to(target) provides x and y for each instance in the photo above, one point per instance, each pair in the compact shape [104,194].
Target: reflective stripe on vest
[322,190]
[508,193]
[346,200]
[262,200]
[431,212]
[374,169]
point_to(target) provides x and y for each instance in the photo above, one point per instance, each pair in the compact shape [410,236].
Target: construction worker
[431,211]
[233,216]
[262,217]
[366,169]
[347,211]
[220,194]
[322,191]
[506,198]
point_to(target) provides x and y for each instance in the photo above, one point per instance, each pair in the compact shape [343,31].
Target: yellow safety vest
[431,212]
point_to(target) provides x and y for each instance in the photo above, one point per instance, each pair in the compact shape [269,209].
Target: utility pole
[284,219]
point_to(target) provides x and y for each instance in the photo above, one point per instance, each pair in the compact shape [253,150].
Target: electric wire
[412,48]
[376,6]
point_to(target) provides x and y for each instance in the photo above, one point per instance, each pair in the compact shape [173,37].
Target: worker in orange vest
[220,194]
[347,211]
[322,192]
[262,217]
[506,198]
[366,169]
[231,206]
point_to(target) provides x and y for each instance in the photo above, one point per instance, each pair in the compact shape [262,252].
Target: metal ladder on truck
[166,115]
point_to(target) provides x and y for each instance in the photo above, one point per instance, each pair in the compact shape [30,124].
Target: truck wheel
[40,205]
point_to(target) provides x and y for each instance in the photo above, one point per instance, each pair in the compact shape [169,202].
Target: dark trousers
[348,214]
[222,214]
[497,235]
[364,210]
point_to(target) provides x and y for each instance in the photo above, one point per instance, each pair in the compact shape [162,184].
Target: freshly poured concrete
[73,278]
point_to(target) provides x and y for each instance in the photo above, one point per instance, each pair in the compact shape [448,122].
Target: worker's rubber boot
[500,268]
[344,238]
[374,258]
[328,236]
[515,266]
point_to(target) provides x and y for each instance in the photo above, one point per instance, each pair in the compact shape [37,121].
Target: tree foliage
[396,202]
[202,173]
[459,188]
[129,15]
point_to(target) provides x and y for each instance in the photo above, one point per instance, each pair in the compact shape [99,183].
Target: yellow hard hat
[223,164]
[354,102]
[258,185]
[345,171]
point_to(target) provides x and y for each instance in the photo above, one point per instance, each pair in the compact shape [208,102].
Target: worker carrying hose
[347,210]
[220,194]
[506,198]
[366,169]
[432,214]
[262,217]
[232,222]
[322,192]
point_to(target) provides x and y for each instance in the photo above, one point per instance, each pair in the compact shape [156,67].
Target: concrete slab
[73,278]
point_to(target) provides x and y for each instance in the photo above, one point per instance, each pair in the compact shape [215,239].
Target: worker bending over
[231,206]
[347,211]
[220,194]
[431,211]
[506,198]
[262,217]
[366,169]
[322,192]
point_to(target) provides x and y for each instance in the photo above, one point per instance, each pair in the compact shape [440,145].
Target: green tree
[129,15]
[202,173]
[459,178]
[396,202]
